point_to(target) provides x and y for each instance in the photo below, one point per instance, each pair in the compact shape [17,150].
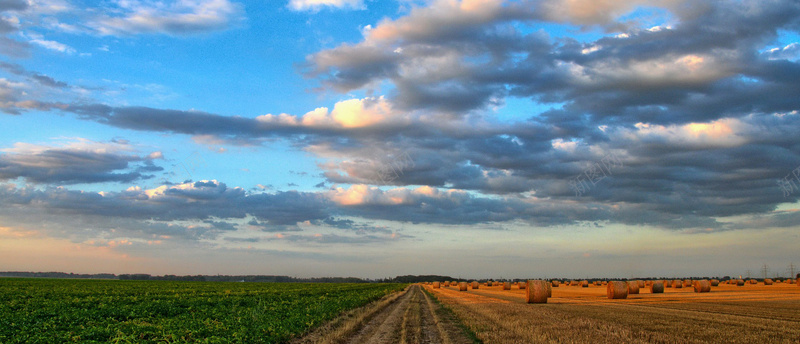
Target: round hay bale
[555,283]
[522,285]
[677,284]
[767,281]
[702,286]
[507,286]
[641,283]
[489,284]
[617,290]
[573,283]
[687,283]
[584,284]
[657,287]
[454,284]
[475,285]
[798,282]
[752,281]
[537,292]
[790,281]
[778,280]
[462,286]
[740,282]
[446,283]
[633,287]
[714,282]
[435,285]
[648,283]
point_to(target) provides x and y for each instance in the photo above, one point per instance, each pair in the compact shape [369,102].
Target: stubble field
[729,314]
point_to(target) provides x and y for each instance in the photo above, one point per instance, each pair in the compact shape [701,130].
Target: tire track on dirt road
[412,317]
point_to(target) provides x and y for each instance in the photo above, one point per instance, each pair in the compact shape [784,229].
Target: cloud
[178,18]
[33,76]
[589,12]
[352,113]
[79,161]
[462,56]
[701,112]
[316,5]
[13,5]
[192,211]
[788,52]
[51,45]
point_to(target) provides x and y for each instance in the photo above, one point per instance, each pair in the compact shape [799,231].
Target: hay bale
[617,290]
[475,285]
[767,281]
[537,292]
[489,284]
[702,286]
[752,281]
[687,283]
[641,283]
[522,285]
[790,281]
[454,284]
[584,284]
[507,286]
[462,286]
[714,282]
[573,283]
[740,282]
[633,287]
[656,287]
[677,284]
[435,285]
[555,283]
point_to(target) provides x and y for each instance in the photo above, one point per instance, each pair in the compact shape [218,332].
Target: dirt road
[413,317]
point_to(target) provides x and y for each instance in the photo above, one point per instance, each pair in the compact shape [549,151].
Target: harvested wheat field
[573,314]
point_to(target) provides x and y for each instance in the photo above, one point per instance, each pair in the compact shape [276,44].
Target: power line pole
[764,271]
[791,270]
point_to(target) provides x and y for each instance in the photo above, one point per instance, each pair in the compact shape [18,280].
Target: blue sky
[480,138]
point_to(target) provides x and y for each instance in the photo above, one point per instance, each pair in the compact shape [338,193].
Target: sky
[367,138]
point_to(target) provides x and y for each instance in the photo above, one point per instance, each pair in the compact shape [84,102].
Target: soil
[413,317]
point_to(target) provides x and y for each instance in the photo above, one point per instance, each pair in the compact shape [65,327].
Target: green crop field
[59,311]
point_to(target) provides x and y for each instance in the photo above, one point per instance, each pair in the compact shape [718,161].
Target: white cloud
[178,18]
[315,5]
[50,45]
[351,113]
[53,45]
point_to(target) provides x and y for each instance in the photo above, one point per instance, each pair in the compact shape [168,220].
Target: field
[61,311]
[727,314]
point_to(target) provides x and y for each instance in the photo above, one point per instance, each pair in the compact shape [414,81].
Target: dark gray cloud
[36,77]
[13,5]
[701,113]
[8,46]
[73,166]
[702,68]
[14,48]
[165,210]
